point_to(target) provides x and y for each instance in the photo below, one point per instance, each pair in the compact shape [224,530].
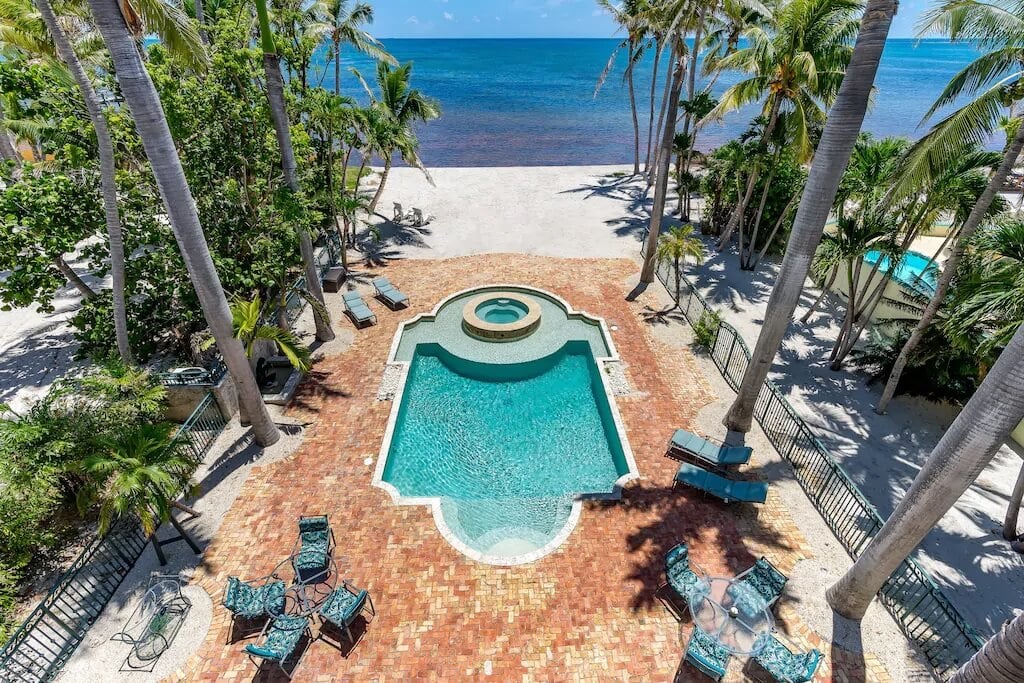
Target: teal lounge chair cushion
[258,651]
[726,489]
[710,451]
[784,665]
[388,291]
[764,578]
[678,573]
[249,602]
[356,306]
[706,654]
[313,551]
[342,606]
[318,523]
[282,637]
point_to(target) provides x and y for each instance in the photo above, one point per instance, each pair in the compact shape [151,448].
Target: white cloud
[412,20]
[448,16]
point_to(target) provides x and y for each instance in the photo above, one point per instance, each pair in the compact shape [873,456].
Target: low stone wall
[182,400]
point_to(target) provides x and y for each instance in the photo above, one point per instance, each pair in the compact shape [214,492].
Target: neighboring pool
[504,449]
[914,270]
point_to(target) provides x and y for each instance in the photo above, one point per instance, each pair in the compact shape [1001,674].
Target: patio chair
[399,213]
[388,293]
[764,578]
[783,664]
[706,655]
[679,573]
[343,606]
[278,640]
[249,601]
[728,490]
[357,309]
[313,547]
[708,450]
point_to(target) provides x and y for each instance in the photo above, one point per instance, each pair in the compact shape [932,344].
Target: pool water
[505,447]
[501,311]
[915,270]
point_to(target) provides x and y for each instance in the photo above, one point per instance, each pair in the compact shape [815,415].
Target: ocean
[531,102]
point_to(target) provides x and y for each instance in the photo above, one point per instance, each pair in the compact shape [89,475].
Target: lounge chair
[249,601]
[399,213]
[764,578]
[278,640]
[783,664]
[343,606]
[357,308]
[388,293]
[313,547]
[728,490]
[704,653]
[707,450]
[680,574]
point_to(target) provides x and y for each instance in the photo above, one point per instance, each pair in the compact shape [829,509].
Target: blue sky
[528,18]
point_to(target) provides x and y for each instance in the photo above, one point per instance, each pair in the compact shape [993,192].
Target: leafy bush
[706,329]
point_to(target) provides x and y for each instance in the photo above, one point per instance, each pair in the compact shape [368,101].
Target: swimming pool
[504,446]
[915,270]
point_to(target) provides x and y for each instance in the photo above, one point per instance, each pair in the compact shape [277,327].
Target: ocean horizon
[531,101]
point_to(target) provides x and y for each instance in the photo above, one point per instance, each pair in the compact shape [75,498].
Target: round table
[306,589]
[732,613]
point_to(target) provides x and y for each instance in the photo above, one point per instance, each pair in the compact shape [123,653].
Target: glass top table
[306,589]
[732,613]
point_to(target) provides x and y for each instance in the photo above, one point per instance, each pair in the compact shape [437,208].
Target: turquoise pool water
[914,270]
[501,311]
[506,447]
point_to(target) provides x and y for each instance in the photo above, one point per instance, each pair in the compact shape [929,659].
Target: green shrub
[706,329]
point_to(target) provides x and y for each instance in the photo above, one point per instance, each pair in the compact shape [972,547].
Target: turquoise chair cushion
[247,601]
[678,573]
[342,606]
[764,578]
[258,651]
[782,664]
[313,523]
[313,551]
[706,654]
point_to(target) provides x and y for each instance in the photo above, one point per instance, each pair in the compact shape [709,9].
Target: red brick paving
[586,612]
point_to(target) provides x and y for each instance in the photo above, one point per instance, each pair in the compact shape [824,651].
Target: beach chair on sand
[728,490]
[706,655]
[388,293]
[399,213]
[783,664]
[686,443]
[357,308]
[278,641]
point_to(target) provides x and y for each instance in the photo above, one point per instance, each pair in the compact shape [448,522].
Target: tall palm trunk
[1000,660]
[955,462]
[144,104]
[275,95]
[380,187]
[833,153]
[741,207]
[661,186]
[821,297]
[995,183]
[201,20]
[662,123]
[632,109]
[650,115]
[73,277]
[337,66]
[1013,508]
[105,148]
[7,150]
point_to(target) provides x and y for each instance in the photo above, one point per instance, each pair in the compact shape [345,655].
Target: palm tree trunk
[662,122]
[1000,660]
[821,297]
[661,187]
[756,228]
[69,272]
[184,534]
[833,153]
[632,109]
[105,148]
[995,183]
[1013,508]
[191,512]
[741,208]
[201,20]
[955,462]
[7,150]
[141,98]
[337,68]
[650,117]
[380,187]
[775,230]
[275,95]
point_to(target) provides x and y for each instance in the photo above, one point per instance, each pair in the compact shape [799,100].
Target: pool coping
[434,502]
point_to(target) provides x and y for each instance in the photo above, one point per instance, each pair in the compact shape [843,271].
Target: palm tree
[342,25]
[144,104]
[247,321]
[1000,660]
[955,462]
[1013,508]
[401,106]
[795,68]
[140,472]
[282,128]
[629,17]
[830,159]
[675,246]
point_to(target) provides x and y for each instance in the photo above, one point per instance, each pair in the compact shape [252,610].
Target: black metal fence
[922,611]
[44,642]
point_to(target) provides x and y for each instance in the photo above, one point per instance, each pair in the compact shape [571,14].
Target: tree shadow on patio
[316,387]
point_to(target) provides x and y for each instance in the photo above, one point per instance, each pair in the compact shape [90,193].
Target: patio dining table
[732,613]
[306,589]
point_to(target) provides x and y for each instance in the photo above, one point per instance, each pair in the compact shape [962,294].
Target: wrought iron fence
[193,377]
[44,642]
[911,595]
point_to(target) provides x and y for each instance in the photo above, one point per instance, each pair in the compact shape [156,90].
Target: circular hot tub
[500,316]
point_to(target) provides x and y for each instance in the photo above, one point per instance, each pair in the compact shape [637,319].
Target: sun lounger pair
[415,215]
[707,451]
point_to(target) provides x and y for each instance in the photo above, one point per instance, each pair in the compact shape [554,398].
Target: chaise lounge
[388,293]
[729,490]
[357,309]
[783,664]
[688,444]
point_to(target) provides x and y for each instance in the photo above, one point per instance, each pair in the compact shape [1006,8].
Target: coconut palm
[342,23]
[142,100]
[628,16]
[1000,660]
[401,106]
[141,472]
[282,128]
[830,159]
[796,68]
[675,246]
[963,452]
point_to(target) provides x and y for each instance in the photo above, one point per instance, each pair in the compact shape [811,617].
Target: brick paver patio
[587,612]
